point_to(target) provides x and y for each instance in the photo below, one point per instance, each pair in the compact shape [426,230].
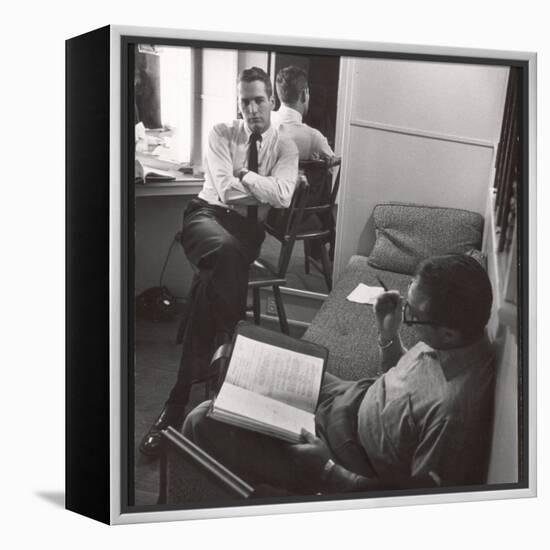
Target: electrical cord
[161,278]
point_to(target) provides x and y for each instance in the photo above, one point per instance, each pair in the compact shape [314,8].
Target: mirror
[323,81]
[179,94]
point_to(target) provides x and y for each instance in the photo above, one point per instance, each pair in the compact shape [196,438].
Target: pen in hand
[382,284]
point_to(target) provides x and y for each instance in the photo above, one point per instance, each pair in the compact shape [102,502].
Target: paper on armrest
[364,294]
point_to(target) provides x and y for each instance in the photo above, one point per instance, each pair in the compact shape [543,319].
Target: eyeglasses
[409,320]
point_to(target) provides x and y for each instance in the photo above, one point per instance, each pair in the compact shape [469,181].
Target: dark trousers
[261,459]
[221,244]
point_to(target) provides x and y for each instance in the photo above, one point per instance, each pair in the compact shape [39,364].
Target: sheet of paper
[282,374]
[364,294]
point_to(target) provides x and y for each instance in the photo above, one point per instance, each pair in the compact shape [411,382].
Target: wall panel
[418,132]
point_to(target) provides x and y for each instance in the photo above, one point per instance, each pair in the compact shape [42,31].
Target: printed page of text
[281,374]
[264,410]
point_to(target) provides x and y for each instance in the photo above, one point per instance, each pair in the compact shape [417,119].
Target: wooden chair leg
[256,304]
[306,257]
[326,266]
[332,242]
[280,310]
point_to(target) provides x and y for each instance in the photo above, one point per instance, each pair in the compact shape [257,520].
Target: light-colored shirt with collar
[431,415]
[227,155]
[310,142]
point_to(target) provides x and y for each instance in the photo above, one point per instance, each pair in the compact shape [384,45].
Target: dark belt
[197,203]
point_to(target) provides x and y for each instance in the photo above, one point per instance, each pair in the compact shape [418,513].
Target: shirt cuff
[249,178]
[250,183]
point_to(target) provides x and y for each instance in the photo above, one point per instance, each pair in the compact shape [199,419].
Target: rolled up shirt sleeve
[320,146]
[277,188]
[220,167]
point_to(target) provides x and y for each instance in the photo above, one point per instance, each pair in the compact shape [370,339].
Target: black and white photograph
[325,299]
[275,274]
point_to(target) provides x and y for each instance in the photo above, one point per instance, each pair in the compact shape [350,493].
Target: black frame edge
[87,453]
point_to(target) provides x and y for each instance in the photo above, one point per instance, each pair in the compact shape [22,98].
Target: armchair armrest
[211,477]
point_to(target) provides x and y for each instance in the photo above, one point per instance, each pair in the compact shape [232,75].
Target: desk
[182,185]
[157,219]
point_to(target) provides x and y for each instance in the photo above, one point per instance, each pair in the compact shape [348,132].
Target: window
[175,100]
[163,84]
[180,94]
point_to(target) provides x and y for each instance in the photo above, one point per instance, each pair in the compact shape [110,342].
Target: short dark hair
[291,82]
[255,73]
[459,293]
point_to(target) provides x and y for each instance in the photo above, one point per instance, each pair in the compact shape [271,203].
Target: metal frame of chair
[210,472]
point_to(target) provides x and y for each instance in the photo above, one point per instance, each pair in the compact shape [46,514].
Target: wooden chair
[318,220]
[262,273]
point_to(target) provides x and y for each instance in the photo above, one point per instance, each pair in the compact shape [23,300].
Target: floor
[156,364]
[296,275]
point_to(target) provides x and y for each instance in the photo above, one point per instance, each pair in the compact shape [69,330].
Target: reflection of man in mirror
[249,167]
[293,91]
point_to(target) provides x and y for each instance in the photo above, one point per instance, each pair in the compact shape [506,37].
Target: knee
[229,256]
[194,422]
[228,248]
[220,253]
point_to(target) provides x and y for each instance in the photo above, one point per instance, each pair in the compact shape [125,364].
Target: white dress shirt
[227,155]
[310,142]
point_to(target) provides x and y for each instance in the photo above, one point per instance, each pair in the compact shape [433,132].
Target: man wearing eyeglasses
[424,422]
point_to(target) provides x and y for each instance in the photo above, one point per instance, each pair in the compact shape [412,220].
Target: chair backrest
[286,225]
[294,218]
[322,193]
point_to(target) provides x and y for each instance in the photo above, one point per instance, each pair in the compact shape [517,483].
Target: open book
[272,384]
[145,174]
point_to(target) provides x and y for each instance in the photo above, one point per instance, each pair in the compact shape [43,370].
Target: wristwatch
[329,465]
[381,345]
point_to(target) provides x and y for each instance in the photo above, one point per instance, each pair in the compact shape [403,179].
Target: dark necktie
[253,167]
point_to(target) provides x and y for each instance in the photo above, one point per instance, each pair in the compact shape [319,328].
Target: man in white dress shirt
[293,91]
[249,167]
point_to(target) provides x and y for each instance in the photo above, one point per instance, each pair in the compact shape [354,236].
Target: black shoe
[151,444]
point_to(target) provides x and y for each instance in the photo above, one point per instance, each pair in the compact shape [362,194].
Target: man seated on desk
[424,422]
[249,167]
